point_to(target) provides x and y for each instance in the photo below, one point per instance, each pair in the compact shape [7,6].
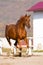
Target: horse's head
[27,21]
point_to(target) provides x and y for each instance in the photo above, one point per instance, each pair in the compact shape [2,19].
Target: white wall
[4,42]
[38,30]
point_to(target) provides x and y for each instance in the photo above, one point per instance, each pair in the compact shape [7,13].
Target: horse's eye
[29,19]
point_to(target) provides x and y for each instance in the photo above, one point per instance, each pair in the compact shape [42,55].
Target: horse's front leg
[19,43]
[27,43]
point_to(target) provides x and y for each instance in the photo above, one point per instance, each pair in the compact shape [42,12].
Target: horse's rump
[10,31]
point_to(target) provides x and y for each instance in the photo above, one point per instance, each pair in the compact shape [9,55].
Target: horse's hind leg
[15,44]
[8,39]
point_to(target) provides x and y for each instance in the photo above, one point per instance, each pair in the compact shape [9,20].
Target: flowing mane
[21,20]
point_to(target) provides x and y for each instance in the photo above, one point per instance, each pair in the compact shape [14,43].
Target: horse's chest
[21,33]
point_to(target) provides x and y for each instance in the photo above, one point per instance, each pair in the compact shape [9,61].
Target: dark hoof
[20,55]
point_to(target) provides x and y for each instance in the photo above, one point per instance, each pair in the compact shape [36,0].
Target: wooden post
[0,47]
[30,46]
[30,50]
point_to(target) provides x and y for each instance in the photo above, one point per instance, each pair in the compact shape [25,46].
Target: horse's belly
[12,36]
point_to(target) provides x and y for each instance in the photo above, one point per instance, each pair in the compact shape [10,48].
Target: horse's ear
[25,15]
[29,15]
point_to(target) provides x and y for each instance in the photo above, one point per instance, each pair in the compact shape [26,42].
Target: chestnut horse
[17,31]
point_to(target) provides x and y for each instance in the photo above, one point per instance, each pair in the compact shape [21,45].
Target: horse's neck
[20,24]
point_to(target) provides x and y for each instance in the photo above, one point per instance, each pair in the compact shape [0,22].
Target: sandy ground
[33,60]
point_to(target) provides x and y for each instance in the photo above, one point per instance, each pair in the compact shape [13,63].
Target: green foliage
[6,49]
[37,50]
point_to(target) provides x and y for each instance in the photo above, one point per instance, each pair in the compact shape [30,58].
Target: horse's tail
[6,28]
